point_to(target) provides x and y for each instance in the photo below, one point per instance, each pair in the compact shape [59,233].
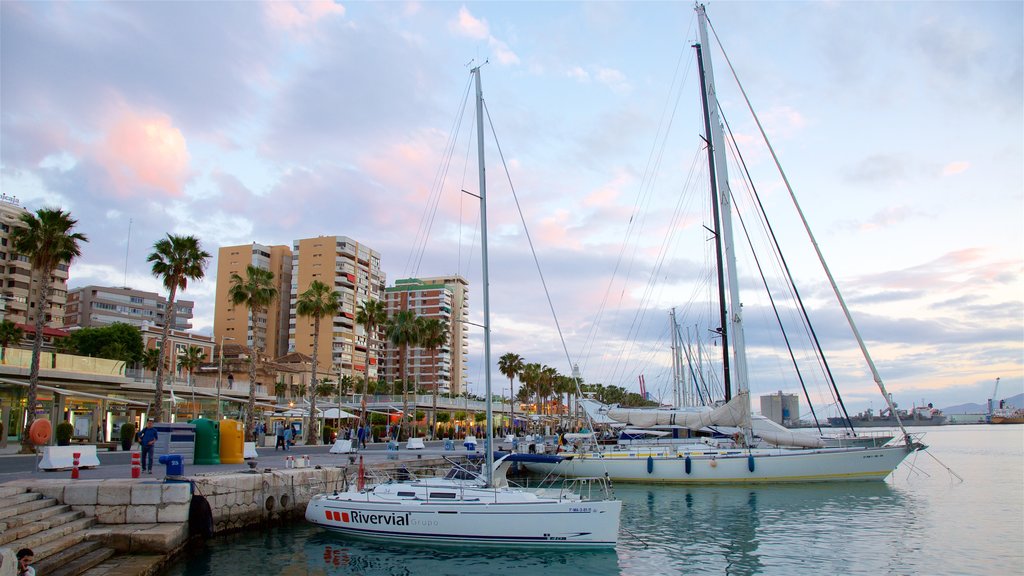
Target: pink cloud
[300,17]
[144,150]
[468,25]
[955,168]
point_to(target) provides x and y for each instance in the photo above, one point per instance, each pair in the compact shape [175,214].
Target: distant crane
[992,400]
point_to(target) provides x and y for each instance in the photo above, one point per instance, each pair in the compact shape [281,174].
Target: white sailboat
[740,459]
[467,508]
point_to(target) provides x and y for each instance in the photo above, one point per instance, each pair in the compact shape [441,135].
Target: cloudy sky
[899,126]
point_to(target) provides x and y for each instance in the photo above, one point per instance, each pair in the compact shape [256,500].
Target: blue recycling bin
[470,443]
[175,464]
[449,444]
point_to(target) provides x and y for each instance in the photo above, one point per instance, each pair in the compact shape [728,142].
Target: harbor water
[922,520]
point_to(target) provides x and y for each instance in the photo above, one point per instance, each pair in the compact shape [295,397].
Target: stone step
[55,539]
[54,561]
[129,565]
[83,563]
[8,512]
[52,508]
[24,531]
[6,491]
[9,505]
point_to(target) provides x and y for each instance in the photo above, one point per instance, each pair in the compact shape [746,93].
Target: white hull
[436,512]
[731,466]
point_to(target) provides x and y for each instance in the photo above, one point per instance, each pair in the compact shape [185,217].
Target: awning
[67,392]
[334,413]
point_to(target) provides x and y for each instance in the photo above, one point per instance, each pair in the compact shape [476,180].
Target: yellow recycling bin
[232,442]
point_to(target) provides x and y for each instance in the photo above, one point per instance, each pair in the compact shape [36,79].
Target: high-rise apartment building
[92,306]
[446,298]
[232,322]
[353,270]
[19,291]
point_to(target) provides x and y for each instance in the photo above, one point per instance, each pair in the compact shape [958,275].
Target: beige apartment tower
[447,298]
[353,270]
[232,322]
[20,290]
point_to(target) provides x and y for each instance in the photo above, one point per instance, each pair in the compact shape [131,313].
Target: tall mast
[489,462]
[739,376]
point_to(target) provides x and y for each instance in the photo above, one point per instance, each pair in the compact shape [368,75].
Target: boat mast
[489,457]
[739,375]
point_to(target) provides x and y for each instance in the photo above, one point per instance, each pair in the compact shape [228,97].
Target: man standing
[280,438]
[147,438]
[362,436]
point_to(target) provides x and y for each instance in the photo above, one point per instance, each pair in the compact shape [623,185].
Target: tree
[511,365]
[10,333]
[403,331]
[530,378]
[119,341]
[371,314]
[434,335]
[190,359]
[176,260]
[317,301]
[256,292]
[279,389]
[150,360]
[47,240]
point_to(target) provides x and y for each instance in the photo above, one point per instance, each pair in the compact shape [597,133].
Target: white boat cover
[735,412]
[770,431]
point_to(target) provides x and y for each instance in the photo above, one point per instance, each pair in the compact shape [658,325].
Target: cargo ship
[918,416]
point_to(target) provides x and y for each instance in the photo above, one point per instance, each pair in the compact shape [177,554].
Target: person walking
[147,439]
[362,436]
[288,435]
[280,438]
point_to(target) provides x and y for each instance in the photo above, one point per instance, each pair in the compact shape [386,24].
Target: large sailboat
[792,456]
[466,507]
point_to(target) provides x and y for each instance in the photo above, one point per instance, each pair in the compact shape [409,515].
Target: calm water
[921,521]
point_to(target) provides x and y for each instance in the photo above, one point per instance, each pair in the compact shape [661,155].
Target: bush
[63,433]
[127,432]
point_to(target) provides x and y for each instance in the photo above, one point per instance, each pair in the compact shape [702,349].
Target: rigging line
[430,209]
[529,239]
[817,249]
[633,223]
[795,291]
[462,200]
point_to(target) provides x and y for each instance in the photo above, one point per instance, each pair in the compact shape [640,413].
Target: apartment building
[231,323]
[446,298]
[93,306]
[353,270]
[19,291]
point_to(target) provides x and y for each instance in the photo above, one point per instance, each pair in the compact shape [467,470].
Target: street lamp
[220,371]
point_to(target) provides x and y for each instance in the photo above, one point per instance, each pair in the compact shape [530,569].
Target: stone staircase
[57,534]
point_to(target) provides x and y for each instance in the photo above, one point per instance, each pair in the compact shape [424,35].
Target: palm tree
[403,331]
[434,335]
[317,301]
[10,333]
[256,291]
[150,360]
[47,240]
[371,314]
[189,360]
[176,260]
[548,376]
[530,377]
[279,389]
[511,365]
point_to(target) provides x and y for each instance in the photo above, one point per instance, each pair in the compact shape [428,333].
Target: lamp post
[220,372]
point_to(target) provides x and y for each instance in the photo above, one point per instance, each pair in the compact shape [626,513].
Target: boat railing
[588,488]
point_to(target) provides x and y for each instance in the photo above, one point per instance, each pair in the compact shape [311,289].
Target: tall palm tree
[256,292]
[530,378]
[47,240]
[434,335]
[10,333]
[548,377]
[511,365]
[371,314]
[176,260]
[317,301]
[403,331]
[189,360]
[150,360]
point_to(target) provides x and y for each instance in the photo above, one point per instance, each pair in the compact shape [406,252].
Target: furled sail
[735,412]
[773,433]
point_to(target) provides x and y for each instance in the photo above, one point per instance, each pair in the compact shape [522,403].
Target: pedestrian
[280,438]
[147,439]
[289,433]
[362,436]
[25,557]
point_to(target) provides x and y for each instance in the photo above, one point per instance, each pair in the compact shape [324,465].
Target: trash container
[175,438]
[449,444]
[207,442]
[470,443]
[175,464]
[232,442]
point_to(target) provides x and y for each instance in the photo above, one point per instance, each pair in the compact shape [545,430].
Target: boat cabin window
[460,474]
[442,494]
[407,494]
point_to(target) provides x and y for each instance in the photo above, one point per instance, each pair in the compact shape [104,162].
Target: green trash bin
[207,442]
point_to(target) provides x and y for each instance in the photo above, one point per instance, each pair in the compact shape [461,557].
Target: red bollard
[74,465]
[136,464]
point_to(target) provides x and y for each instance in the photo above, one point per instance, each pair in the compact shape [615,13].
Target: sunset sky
[900,126]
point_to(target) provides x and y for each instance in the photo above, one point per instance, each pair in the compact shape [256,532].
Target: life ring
[39,432]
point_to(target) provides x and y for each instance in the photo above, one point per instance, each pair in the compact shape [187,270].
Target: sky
[898,125]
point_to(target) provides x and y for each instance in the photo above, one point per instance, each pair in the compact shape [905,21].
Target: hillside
[974,408]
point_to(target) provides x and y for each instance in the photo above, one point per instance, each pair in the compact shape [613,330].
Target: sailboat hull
[731,466]
[484,518]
